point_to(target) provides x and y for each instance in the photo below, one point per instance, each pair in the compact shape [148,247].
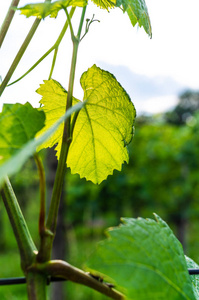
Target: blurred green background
[162,176]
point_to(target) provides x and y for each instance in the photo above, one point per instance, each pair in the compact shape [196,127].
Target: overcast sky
[153,71]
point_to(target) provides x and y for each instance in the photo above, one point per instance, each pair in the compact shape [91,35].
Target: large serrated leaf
[19,124]
[194,278]
[103,128]
[144,260]
[42,10]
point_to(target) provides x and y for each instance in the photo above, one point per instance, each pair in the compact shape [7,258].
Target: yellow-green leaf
[42,10]
[103,127]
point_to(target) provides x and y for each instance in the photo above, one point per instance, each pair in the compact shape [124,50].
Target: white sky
[172,52]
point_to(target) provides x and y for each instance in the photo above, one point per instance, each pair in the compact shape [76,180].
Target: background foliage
[162,177]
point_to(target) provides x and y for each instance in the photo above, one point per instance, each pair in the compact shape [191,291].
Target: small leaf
[138,13]
[194,278]
[42,10]
[19,124]
[13,165]
[145,261]
[54,98]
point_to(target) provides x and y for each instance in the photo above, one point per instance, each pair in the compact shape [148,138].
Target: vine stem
[59,268]
[36,286]
[66,140]
[20,54]
[53,63]
[7,21]
[76,41]
[25,243]
[36,282]
[42,182]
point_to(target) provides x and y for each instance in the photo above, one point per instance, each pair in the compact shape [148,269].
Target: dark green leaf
[144,260]
[138,13]
[19,124]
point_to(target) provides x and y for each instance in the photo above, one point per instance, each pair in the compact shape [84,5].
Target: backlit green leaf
[19,124]
[103,128]
[42,10]
[194,278]
[145,261]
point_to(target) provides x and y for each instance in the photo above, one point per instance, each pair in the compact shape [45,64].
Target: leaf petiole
[59,268]
[73,123]
[60,173]
[53,63]
[70,24]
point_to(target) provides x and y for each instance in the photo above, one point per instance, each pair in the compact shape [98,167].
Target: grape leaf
[19,124]
[13,165]
[103,128]
[138,13]
[194,278]
[144,260]
[42,10]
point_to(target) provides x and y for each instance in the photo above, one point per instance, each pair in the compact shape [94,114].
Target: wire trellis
[22,280]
